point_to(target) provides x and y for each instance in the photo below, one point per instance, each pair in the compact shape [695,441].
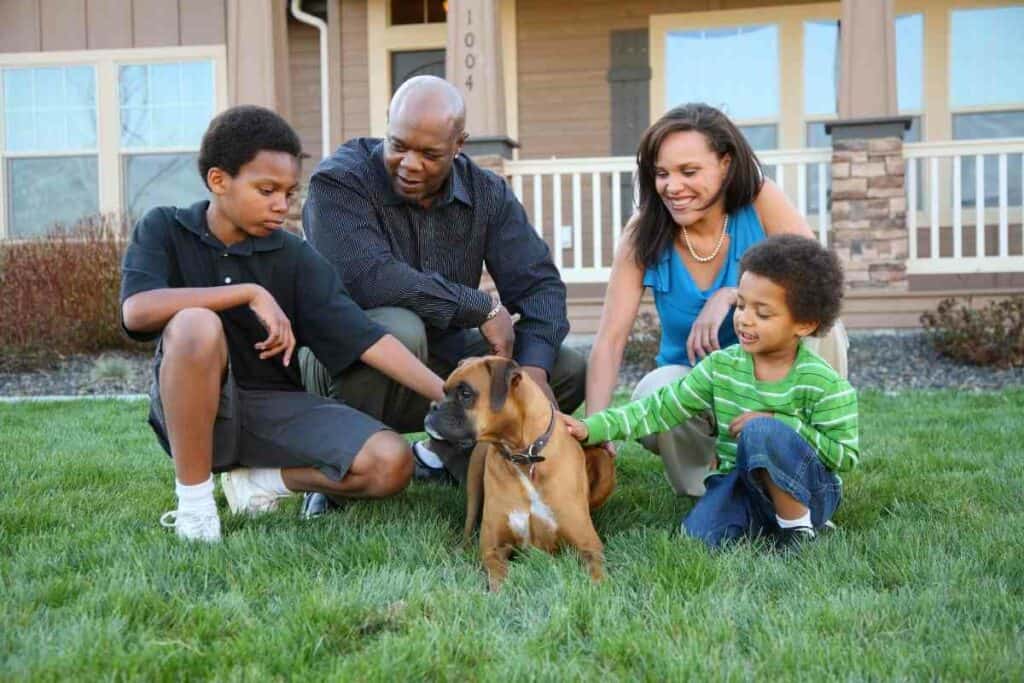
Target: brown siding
[304,74]
[63,24]
[109,24]
[202,22]
[56,25]
[564,55]
[19,26]
[355,71]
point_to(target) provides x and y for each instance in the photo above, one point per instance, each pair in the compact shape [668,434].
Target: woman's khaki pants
[687,449]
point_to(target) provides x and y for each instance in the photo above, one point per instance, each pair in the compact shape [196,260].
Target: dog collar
[531,455]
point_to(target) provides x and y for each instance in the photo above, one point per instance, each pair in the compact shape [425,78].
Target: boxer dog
[536,483]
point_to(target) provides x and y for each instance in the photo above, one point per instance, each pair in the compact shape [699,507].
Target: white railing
[579,205]
[945,206]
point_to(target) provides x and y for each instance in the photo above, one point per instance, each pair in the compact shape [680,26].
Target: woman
[703,202]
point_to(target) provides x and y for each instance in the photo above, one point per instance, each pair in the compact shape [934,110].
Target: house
[897,126]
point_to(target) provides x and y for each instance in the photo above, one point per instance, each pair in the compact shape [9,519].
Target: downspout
[325,96]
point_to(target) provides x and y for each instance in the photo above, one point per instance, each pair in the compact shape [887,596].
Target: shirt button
[227,281]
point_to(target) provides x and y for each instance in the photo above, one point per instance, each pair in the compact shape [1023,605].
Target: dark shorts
[736,504]
[265,428]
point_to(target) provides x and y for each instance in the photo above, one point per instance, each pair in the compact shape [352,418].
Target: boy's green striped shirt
[812,399]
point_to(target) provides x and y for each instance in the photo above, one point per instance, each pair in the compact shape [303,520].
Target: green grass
[924,579]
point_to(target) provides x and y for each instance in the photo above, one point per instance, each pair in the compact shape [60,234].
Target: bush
[643,343]
[60,294]
[993,335]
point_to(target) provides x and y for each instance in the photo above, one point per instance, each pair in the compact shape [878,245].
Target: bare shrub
[992,335]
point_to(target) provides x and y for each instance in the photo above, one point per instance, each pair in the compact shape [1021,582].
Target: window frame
[108,109]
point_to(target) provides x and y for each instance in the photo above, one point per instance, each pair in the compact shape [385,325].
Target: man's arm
[528,283]
[342,225]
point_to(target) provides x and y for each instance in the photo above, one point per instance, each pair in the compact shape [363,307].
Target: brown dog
[536,483]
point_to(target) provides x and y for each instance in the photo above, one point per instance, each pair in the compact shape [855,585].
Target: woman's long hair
[655,230]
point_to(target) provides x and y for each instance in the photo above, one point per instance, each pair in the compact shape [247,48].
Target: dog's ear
[505,375]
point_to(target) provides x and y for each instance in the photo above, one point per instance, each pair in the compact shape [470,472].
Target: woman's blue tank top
[678,299]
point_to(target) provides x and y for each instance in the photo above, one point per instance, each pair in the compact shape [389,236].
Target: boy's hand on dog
[577,429]
[280,338]
[737,425]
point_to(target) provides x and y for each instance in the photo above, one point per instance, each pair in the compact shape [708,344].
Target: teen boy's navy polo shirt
[173,247]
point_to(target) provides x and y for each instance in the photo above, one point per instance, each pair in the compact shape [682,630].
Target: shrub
[60,294]
[993,335]
[644,339]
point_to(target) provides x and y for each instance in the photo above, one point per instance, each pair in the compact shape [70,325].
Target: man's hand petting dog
[500,333]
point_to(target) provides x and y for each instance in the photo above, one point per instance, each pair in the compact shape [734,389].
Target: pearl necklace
[714,252]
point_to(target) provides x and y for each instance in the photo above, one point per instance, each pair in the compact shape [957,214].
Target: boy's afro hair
[235,136]
[811,275]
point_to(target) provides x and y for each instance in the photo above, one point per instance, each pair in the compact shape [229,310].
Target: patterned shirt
[812,399]
[393,252]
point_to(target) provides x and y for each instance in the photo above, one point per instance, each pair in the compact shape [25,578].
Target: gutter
[325,95]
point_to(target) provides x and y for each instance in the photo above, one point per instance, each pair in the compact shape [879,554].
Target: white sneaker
[193,526]
[245,496]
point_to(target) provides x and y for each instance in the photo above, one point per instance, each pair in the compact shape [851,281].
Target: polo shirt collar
[193,219]
[454,188]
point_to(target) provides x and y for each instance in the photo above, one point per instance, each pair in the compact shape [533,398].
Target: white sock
[427,456]
[803,521]
[269,479]
[195,497]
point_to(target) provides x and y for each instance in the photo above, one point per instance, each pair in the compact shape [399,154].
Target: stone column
[869,206]
[473,64]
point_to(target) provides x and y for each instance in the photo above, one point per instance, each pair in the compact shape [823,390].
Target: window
[418,12]
[717,66]
[102,131]
[50,150]
[986,92]
[165,108]
[821,39]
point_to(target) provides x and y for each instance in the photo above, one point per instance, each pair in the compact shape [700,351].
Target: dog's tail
[601,474]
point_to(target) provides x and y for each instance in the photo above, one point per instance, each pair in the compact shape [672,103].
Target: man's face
[418,154]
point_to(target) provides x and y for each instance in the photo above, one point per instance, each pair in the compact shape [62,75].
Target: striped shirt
[812,399]
[392,252]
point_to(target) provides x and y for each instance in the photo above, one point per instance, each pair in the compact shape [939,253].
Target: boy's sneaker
[790,540]
[245,496]
[193,526]
[424,472]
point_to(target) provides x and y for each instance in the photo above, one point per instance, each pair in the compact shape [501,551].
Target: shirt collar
[454,187]
[193,219]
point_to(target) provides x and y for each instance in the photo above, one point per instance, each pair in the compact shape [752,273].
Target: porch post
[869,206]
[473,64]
[257,43]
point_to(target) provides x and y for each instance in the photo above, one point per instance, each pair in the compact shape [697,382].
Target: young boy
[786,421]
[231,295]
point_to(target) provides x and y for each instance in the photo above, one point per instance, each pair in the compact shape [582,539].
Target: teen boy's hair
[237,135]
[810,274]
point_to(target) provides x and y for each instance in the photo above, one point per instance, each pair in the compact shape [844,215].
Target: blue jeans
[737,505]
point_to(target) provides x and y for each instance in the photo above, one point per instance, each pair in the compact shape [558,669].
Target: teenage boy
[786,421]
[230,294]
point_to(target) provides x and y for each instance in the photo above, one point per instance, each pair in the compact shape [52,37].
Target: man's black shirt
[393,252]
[174,248]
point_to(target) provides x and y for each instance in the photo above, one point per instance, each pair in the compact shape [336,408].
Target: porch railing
[580,205]
[961,220]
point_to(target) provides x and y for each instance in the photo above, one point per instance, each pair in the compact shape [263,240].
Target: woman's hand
[577,429]
[703,337]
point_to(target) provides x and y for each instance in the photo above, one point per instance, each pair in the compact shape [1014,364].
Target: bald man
[409,223]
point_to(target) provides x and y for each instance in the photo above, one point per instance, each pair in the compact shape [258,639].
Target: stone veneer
[869,208]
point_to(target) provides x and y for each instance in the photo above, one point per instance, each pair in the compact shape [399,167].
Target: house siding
[60,25]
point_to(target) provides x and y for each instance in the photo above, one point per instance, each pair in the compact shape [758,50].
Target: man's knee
[404,325]
[392,466]
[569,379]
[195,334]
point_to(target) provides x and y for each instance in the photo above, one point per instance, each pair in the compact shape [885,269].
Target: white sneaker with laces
[193,526]
[245,496]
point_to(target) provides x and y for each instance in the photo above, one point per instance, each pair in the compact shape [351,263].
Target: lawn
[924,578]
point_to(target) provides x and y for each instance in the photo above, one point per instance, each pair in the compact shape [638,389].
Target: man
[409,223]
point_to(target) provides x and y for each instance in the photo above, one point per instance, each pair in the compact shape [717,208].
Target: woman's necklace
[714,252]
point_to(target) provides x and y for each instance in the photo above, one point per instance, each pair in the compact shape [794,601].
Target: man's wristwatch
[494,311]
